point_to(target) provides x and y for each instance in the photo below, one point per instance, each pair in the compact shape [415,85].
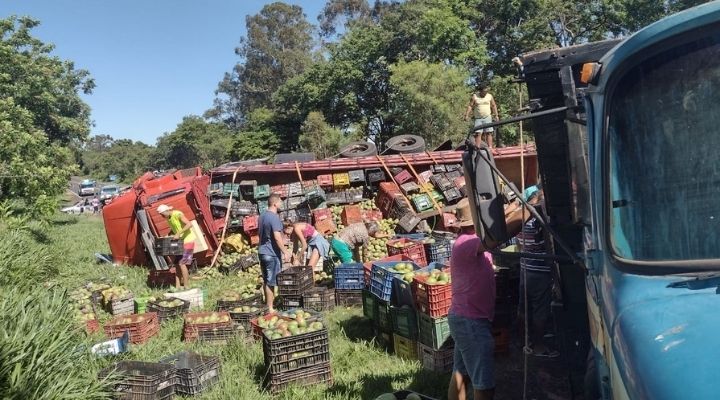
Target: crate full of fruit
[432,290]
[168,308]
[383,275]
[140,327]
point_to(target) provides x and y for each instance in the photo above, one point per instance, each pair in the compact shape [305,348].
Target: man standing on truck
[471,312]
[181,228]
[536,280]
[482,106]
[272,248]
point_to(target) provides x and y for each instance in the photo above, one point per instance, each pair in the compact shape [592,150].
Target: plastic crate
[381,279]
[196,297]
[424,177]
[410,187]
[295,352]
[227,305]
[321,214]
[402,177]
[262,206]
[355,195]
[404,321]
[222,335]
[295,189]
[142,380]
[452,195]
[357,176]
[374,176]
[294,202]
[435,194]
[408,221]
[383,318]
[459,182]
[261,192]
[168,246]
[317,375]
[161,278]
[402,294]
[440,361]
[422,202]
[384,340]
[369,304]
[140,304]
[191,330]
[294,281]
[447,221]
[453,173]
[195,373]
[166,313]
[348,298]
[124,306]
[326,226]
[336,198]
[289,302]
[351,215]
[409,248]
[433,300]
[231,189]
[433,332]
[325,181]
[247,188]
[371,215]
[92,326]
[255,329]
[438,251]
[319,299]
[441,182]
[244,318]
[341,180]
[250,223]
[349,276]
[280,190]
[404,347]
[140,327]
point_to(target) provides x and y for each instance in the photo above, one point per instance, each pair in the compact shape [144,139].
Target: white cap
[163,208]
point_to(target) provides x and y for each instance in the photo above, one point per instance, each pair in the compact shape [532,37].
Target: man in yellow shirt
[482,106]
[181,228]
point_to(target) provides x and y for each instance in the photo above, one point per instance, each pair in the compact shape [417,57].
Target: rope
[424,187]
[297,168]
[431,157]
[382,162]
[526,347]
[227,218]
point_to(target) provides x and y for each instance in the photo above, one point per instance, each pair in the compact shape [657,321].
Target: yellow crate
[341,180]
[405,348]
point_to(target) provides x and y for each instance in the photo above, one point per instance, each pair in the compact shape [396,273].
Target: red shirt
[473,280]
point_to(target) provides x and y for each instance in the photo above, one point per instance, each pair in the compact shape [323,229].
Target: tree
[277,47]
[336,12]
[195,142]
[428,100]
[124,158]
[258,139]
[320,138]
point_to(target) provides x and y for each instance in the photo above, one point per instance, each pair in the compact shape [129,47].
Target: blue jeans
[474,350]
[271,267]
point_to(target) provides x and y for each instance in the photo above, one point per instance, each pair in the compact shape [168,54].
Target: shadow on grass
[40,236]
[374,385]
[64,221]
[357,329]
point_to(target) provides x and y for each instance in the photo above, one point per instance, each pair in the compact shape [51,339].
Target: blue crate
[381,280]
[438,251]
[349,276]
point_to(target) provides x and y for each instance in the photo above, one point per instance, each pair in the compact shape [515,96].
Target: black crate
[320,374]
[290,302]
[195,372]
[294,281]
[408,222]
[295,189]
[294,202]
[243,318]
[456,173]
[221,335]
[355,195]
[357,176]
[318,299]
[438,169]
[441,182]
[336,198]
[453,167]
[142,380]
[168,246]
[304,214]
[348,298]
[247,188]
[225,305]
[166,313]
[452,195]
[296,352]
[374,176]
[243,208]
[314,196]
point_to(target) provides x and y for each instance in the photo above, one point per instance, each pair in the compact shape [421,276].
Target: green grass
[360,370]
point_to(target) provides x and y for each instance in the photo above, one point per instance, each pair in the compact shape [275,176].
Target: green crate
[404,321]
[383,318]
[262,206]
[369,304]
[261,192]
[385,341]
[437,195]
[231,188]
[422,202]
[433,332]
[141,304]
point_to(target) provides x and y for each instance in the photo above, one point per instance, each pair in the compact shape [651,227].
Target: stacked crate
[349,282]
[412,249]
[432,301]
[195,373]
[319,299]
[141,380]
[292,283]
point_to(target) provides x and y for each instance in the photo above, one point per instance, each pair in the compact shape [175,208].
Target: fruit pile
[337,217]
[237,243]
[210,318]
[246,292]
[406,269]
[84,310]
[129,320]
[288,324]
[245,309]
[323,278]
[169,303]
[368,205]
[376,249]
[115,293]
[436,277]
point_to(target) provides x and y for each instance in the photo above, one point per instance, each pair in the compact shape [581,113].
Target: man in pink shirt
[471,312]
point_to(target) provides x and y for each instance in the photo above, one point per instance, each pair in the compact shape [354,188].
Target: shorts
[188,251]
[483,121]
[342,250]
[271,267]
[474,350]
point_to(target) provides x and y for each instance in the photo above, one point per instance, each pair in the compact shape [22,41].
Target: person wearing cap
[346,244]
[181,228]
[272,249]
[482,106]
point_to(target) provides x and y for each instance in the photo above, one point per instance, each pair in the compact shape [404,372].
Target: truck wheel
[406,144]
[359,149]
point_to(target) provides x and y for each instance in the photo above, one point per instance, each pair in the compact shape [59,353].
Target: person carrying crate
[346,244]
[314,248]
[181,228]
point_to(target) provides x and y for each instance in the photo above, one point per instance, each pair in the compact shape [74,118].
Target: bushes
[23,261]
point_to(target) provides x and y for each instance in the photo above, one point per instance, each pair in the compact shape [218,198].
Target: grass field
[360,370]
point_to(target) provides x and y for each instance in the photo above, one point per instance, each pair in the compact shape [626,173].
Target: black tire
[406,144]
[359,149]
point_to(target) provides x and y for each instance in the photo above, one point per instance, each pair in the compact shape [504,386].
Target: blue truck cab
[627,136]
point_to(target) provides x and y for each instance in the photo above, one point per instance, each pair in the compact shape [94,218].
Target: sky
[153,61]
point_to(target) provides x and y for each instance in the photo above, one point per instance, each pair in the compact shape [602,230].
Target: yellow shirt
[482,107]
[176,225]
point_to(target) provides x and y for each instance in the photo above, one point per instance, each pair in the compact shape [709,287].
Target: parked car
[77,208]
[108,192]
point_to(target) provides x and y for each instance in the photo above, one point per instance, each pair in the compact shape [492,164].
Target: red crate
[321,214]
[140,327]
[371,215]
[325,181]
[425,177]
[281,190]
[254,238]
[403,177]
[447,221]
[256,329]
[433,300]
[250,223]
[326,226]
[191,329]
[351,215]
[160,278]
[459,182]
[92,326]
[386,196]
[415,251]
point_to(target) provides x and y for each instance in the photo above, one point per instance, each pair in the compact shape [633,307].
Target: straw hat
[163,208]
[463,214]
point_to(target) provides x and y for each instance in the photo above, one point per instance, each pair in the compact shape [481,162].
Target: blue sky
[154,61]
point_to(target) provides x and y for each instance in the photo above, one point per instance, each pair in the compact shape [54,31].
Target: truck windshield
[664,144]
[86,185]
[110,190]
